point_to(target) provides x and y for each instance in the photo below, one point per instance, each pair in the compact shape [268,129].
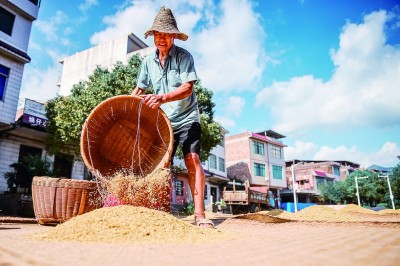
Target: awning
[320,173]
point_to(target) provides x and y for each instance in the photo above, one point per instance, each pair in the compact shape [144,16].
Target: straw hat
[165,22]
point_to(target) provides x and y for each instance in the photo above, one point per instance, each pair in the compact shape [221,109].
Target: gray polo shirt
[178,69]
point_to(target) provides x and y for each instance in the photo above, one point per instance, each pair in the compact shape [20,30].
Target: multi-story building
[258,157]
[310,175]
[16,18]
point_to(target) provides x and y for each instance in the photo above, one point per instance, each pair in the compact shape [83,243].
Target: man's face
[163,41]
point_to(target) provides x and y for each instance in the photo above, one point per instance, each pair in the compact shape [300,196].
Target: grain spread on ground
[320,213]
[389,211]
[129,224]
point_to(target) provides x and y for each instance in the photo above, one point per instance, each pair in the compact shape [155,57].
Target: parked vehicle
[251,199]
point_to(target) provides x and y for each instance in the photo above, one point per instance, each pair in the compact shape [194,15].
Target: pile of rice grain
[357,209]
[323,213]
[129,224]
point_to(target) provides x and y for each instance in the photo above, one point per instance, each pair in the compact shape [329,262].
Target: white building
[16,18]
[79,66]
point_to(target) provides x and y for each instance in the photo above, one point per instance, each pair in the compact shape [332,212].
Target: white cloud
[301,150]
[50,27]
[234,106]
[363,90]
[85,6]
[225,122]
[230,50]
[386,156]
[40,85]
[136,18]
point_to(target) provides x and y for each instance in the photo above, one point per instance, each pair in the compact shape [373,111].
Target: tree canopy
[372,190]
[67,114]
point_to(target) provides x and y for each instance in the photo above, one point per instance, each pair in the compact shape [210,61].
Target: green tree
[333,192]
[23,172]
[366,187]
[66,114]
[372,190]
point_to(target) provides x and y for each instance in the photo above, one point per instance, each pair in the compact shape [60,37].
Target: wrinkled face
[163,41]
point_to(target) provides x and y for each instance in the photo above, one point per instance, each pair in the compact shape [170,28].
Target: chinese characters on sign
[33,120]
[34,113]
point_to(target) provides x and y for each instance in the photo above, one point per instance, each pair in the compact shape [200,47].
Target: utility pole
[390,189]
[293,186]
[358,194]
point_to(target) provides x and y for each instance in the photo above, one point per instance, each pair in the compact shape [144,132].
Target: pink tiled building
[258,157]
[309,175]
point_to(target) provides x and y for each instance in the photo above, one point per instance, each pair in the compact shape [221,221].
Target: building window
[6,21]
[179,188]
[259,169]
[205,192]
[63,165]
[336,170]
[277,172]
[35,2]
[258,148]
[221,164]
[213,161]
[320,182]
[276,151]
[4,72]
[222,143]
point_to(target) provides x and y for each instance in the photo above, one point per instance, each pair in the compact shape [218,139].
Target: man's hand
[153,100]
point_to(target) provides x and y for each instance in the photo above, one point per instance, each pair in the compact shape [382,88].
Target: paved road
[255,243]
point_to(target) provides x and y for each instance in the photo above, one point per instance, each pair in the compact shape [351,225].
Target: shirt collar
[171,52]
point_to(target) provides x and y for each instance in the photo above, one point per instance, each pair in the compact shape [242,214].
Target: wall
[8,107]
[237,148]
[9,151]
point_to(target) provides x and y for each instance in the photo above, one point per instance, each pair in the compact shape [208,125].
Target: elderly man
[170,71]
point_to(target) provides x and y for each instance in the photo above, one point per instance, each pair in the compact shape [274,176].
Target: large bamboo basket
[122,134]
[56,200]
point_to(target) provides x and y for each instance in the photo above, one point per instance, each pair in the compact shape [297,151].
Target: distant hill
[381,169]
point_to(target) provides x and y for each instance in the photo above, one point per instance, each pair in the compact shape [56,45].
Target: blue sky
[324,73]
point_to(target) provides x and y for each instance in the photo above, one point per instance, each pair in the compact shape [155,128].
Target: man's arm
[154,100]
[138,91]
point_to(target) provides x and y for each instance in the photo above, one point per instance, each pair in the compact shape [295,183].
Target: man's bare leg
[197,182]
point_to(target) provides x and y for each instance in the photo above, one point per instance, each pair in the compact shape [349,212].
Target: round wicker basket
[56,200]
[122,134]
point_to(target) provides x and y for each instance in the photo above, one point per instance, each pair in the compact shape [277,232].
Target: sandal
[203,222]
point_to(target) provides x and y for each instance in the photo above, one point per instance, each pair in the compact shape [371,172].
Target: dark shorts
[189,137]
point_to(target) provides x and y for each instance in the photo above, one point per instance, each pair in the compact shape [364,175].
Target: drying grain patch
[389,211]
[357,209]
[129,224]
[323,213]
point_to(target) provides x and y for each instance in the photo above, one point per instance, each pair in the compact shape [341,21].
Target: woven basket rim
[109,101]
